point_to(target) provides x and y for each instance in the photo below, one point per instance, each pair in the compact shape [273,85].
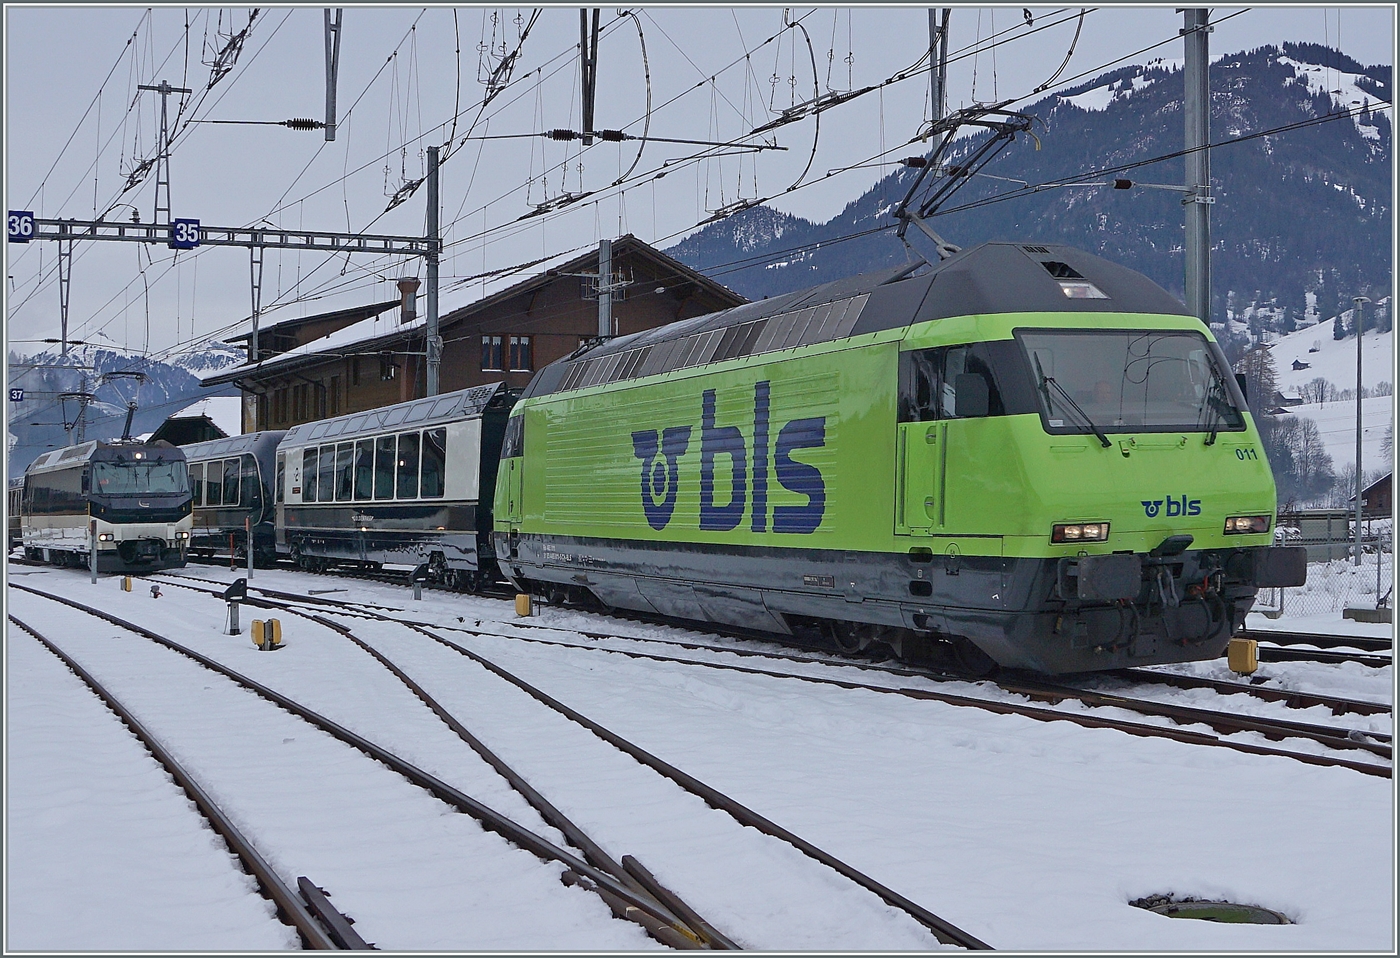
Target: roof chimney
[408,293]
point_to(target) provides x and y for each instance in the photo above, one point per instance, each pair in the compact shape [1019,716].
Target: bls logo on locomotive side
[661,454]
[1175,507]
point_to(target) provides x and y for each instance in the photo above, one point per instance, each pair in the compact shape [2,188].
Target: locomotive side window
[344,456]
[434,462]
[364,468]
[214,483]
[384,467]
[197,483]
[514,442]
[325,475]
[929,383]
[279,491]
[408,465]
[308,475]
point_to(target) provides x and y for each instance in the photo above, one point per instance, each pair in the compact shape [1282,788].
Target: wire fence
[1335,581]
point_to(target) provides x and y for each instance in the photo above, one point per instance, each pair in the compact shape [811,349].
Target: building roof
[376,334]
[289,326]
[225,412]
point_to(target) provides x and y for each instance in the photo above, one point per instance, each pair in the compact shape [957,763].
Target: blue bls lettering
[760,456]
[660,481]
[799,477]
[716,441]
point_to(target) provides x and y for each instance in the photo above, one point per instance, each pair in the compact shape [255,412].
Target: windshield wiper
[1216,403]
[1049,381]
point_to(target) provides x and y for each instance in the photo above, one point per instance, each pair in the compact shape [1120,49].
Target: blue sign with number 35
[184,234]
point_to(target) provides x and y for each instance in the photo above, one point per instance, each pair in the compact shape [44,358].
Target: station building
[365,357]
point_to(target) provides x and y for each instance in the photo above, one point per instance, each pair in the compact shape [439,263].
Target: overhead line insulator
[563,135]
[302,123]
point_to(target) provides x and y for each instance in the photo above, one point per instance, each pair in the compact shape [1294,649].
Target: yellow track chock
[1243,656]
[126,583]
[523,605]
[267,635]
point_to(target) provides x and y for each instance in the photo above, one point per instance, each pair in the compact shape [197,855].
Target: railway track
[1362,643]
[318,924]
[1335,739]
[634,893]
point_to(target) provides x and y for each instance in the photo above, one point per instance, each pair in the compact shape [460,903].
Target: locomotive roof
[987,279]
[96,450]
[447,407]
[233,445]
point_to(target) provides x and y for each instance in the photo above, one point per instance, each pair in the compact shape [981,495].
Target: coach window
[325,475]
[344,474]
[196,483]
[492,359]
[384,467]
[408,465]
[522,354]
[231,477]
[434,462]
[251,492]
[308,474]
[214,483]
[364,468]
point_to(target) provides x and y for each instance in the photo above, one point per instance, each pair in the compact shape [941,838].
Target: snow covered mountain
[159,386]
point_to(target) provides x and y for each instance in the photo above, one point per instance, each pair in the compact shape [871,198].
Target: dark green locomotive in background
[1025,454]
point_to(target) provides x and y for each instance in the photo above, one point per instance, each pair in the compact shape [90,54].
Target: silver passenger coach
[409,484]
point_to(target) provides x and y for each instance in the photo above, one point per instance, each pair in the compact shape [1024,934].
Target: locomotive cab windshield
[1130,380]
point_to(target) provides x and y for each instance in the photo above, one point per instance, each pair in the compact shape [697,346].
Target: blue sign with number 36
[19,225]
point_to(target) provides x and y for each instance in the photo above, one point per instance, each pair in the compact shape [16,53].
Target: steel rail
[1005,708]
[1290,698]
[281,894]
[1365,643]
[943,930]
[1271,653]
[489,818]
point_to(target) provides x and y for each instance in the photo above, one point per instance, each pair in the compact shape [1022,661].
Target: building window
[321,399]
[388,369]
[299,406]
[521,354]
[491,354]
[354,370]
[335,395]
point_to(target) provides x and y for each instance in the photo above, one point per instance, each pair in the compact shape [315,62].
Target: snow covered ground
[1029,835]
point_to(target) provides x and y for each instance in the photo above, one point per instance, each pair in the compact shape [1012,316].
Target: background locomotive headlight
[1079,532]
[104,537]
[1240,525]
[182,535]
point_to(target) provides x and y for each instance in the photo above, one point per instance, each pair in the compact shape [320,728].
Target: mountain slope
[1334,177]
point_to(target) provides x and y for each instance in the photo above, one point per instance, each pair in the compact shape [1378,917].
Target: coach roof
[433,411]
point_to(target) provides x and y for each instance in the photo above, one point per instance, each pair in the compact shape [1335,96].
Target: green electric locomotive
[1023,455]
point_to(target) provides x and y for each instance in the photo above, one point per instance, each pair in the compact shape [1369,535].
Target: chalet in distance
[375,355]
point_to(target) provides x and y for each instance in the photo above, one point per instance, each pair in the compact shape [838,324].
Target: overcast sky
[76,127]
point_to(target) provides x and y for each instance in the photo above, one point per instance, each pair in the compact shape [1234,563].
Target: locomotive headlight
[1079,532]
[182,535]
[138,455]
[105,537]
[1246,525]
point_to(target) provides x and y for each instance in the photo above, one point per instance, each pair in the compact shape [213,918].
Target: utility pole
[589,60]
[434,339]
[332,68]
[163,155]
[1357,303]
[1198,199]
[65,288]
[605,279]
[938,63]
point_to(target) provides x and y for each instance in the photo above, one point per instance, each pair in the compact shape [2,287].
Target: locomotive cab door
[940,392]
[515,475]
